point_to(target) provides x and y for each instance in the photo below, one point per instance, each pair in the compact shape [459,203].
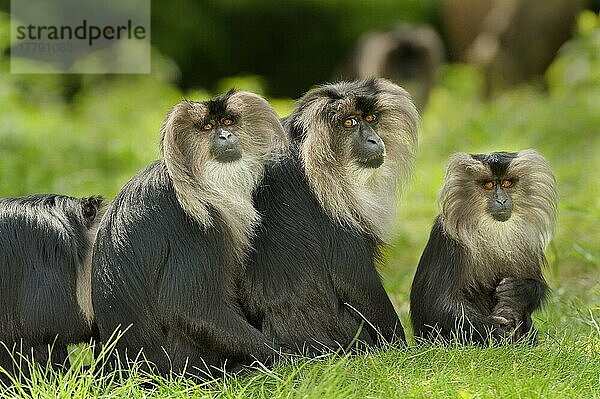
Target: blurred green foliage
[212,39]
[579,62]
[92,140]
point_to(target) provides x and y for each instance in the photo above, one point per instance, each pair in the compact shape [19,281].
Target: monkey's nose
[226,146]
[225,135]
[374,145]
[227,140]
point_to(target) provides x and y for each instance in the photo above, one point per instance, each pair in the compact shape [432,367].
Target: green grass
[94,142]
[564,365]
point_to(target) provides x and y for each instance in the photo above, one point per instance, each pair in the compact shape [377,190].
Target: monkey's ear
[263,116]
[90,206]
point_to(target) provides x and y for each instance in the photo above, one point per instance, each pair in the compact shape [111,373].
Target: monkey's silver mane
[84,271]
[360,198]
[203,184]
[464,215]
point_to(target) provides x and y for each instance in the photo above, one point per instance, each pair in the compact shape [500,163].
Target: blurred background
[487,75]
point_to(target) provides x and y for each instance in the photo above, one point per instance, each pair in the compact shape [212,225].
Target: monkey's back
[435,283]
[42,243]
[288,291]
[151,264]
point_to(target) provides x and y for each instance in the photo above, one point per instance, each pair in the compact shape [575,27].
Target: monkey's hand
[506,322]
[510,310]
[503,327]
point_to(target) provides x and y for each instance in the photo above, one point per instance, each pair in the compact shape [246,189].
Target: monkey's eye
[489,185]
[207,126]
[350,122]
[506,183]
[227,121]
[89,211]
[370,118]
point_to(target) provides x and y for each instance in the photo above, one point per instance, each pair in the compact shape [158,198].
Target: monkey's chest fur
[290,289]
[484,275]
[452,283]
[482,270]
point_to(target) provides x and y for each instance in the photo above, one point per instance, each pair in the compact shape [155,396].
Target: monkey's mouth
[371,163]
[229,155]
[502,216]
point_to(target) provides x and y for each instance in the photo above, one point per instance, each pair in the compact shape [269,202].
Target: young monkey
[481,271]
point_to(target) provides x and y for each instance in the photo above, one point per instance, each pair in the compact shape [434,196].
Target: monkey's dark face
[489,181]
[499,185]
[225,129]
[353,120]
[499,202]
[216,129]
[362,123]
[367,148]
[221,136]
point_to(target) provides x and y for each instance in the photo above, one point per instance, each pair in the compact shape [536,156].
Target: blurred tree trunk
[512,40]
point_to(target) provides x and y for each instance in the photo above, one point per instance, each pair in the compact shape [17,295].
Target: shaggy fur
[362,199]
[45,246]
[201,183]
[470,255]
[169,252]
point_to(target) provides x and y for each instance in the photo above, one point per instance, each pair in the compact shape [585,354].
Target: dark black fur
[218,105]
[498,161]
[305,268]
[44,241]
[156,271]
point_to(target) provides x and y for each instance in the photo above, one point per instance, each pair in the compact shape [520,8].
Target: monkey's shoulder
[151,185]
[146,214]
[284,175]
[294,222]
[285,193]
[148,196]
[442,255]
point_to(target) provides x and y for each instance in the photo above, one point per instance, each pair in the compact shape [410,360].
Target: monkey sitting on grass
[481,271]
[311,280]
[170,249]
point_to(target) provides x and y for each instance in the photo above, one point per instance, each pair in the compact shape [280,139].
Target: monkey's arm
[374,306]
[516,299]
[521,294]
[357,283]
[193,298]
[225,331]
[437,304]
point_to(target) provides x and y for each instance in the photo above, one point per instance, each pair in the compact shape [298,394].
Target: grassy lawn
[96,142]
